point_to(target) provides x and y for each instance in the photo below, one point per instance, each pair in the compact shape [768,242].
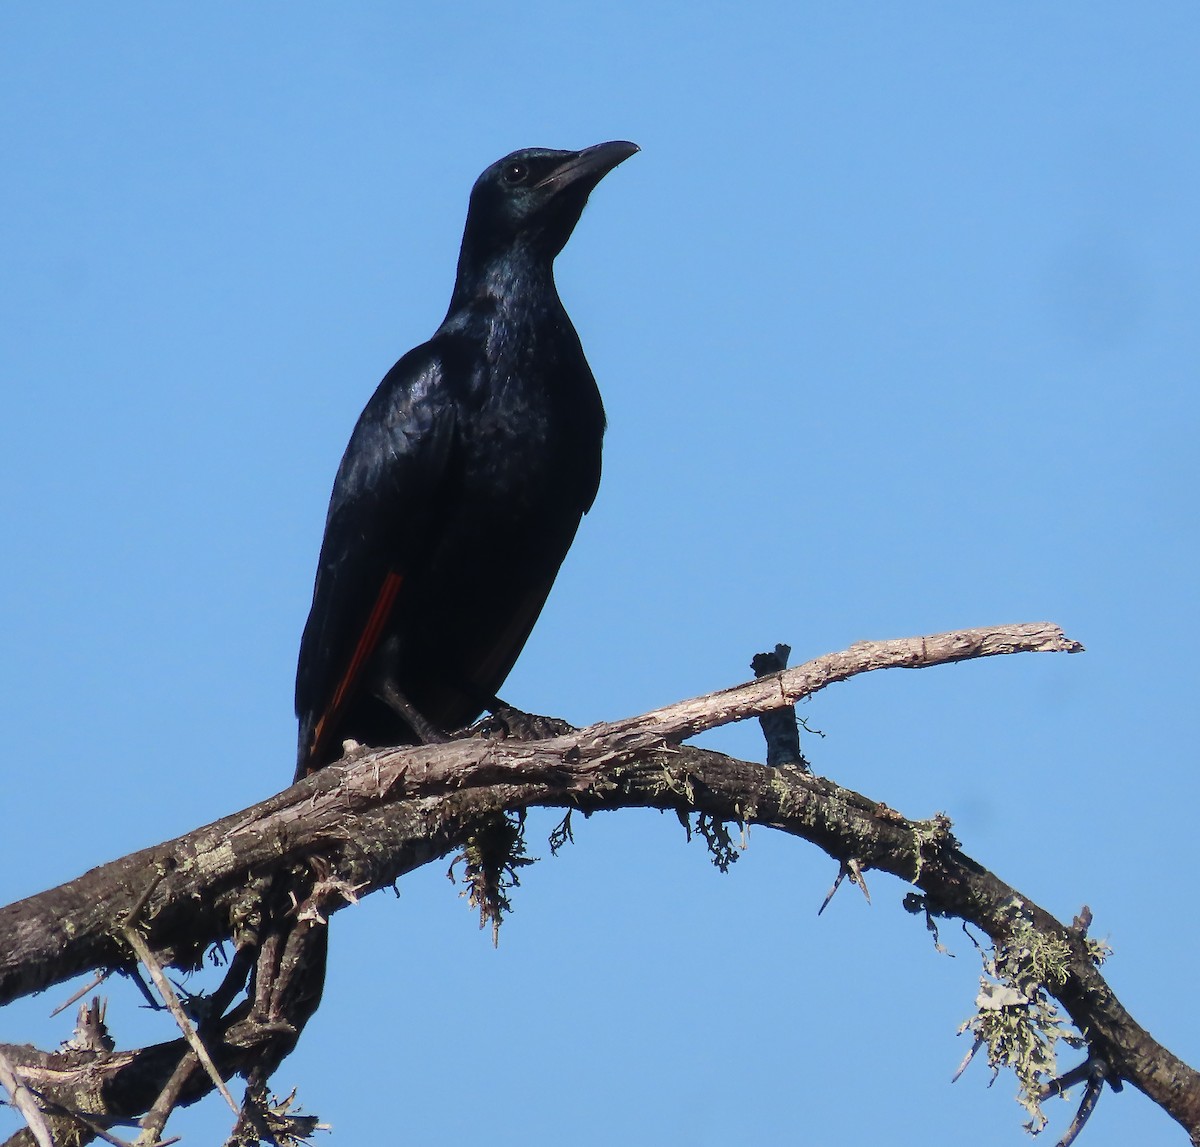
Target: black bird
[463,483]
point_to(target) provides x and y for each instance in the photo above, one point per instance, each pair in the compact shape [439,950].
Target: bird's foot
[504,721]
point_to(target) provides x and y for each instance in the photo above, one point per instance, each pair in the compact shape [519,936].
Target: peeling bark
[267,877]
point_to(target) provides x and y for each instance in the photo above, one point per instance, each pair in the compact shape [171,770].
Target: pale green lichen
[1016,1019]
[929,837]
[1098,950]
[789,798]
[1032,955]
[679,782]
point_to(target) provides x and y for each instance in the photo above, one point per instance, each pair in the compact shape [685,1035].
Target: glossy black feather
[466,477]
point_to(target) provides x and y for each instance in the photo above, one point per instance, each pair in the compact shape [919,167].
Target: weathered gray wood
[356,826]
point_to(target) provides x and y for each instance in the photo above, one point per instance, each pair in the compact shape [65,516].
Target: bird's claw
[506,722]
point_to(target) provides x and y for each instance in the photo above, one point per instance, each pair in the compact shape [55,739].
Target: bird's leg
[399,704]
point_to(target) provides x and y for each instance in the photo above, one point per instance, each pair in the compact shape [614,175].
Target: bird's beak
[590,165]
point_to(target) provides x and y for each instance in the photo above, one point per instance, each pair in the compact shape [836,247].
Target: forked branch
[356,826]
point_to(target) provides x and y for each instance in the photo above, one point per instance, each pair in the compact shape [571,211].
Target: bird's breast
[526,462]
[514,450]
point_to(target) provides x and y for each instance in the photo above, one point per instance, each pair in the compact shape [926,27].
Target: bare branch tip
[1065,644]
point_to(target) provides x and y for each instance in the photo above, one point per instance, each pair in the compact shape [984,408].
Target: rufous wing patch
[367,642]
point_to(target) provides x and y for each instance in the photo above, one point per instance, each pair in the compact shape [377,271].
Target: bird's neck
[515,284]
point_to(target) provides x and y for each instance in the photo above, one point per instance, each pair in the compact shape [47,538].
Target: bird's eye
[515,173]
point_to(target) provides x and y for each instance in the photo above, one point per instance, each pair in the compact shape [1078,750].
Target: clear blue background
[895,322]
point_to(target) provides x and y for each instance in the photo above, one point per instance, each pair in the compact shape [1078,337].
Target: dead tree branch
[267,877]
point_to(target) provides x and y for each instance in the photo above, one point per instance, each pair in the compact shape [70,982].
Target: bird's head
[534,197]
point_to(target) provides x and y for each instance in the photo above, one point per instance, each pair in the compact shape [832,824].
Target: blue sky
[894,321]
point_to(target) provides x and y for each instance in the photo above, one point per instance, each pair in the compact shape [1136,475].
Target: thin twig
[1067,1080]
[858,877]
[144,898]
[966,1060]
[156,1118]
[24,1101]
[94,982]
[842,873]
[142,950]
[1087,1104]
[852,869]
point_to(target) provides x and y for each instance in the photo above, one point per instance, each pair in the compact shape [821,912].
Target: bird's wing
[386,494]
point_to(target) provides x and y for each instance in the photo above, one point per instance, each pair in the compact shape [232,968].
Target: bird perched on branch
[463,483]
